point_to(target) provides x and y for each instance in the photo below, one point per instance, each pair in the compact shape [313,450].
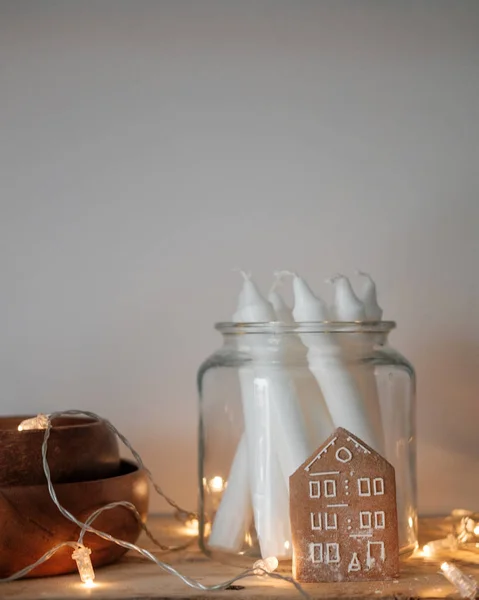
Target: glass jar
[269,397]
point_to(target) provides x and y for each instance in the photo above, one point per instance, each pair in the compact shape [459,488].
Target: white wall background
[146,148]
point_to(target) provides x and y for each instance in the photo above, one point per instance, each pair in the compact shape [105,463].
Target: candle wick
[335,278]
[363,274]
[246,274]
[279,279]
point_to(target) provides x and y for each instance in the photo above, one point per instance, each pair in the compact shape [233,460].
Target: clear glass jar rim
[307,327]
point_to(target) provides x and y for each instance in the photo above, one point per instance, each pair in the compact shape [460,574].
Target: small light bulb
[470,524]
[38,422]
[476,530]
[287,545]
[466,586]
[268,564]
[81,556]
[444,544]
[192,526]
[217,484]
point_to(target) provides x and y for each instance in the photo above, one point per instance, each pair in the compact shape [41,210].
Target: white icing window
[343,454]
[326,520]
[330,521]
[379,519]
[316,521]
[316,553]
[376,551]
[364,486]
[329,488]
[314,489]
[365,519]
[378,486]
[332,553]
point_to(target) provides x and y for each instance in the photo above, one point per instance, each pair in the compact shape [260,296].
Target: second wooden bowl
[79,449]
[31,524]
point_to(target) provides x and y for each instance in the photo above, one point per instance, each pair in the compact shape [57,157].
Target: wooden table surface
[134,578]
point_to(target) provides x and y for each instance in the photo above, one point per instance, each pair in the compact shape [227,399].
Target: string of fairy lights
[464,537]
[81,553]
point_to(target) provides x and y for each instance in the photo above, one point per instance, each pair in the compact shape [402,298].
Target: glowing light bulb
[466,586]
[217,484]
[287,545]
[38,422]
[476,530]
[444,544]
[192,526]
[268,564]
[81,556]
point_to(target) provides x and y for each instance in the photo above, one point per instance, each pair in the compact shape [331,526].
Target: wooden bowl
[79,449]
[31,524]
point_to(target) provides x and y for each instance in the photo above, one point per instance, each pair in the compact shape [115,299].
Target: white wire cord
[37,563]
[87,525]
[125,441]
[136,514]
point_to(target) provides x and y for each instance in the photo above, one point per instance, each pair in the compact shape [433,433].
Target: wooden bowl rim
[127,468]
[59,423]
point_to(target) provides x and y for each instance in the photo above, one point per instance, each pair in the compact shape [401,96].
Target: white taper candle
[347,307]
[274,433]
[269,491]
[369,298]
[340,391]
[234,515]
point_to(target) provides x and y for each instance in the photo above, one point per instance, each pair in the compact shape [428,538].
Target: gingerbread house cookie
[343,514]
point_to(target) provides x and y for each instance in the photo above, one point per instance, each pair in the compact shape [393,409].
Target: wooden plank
[133,577]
